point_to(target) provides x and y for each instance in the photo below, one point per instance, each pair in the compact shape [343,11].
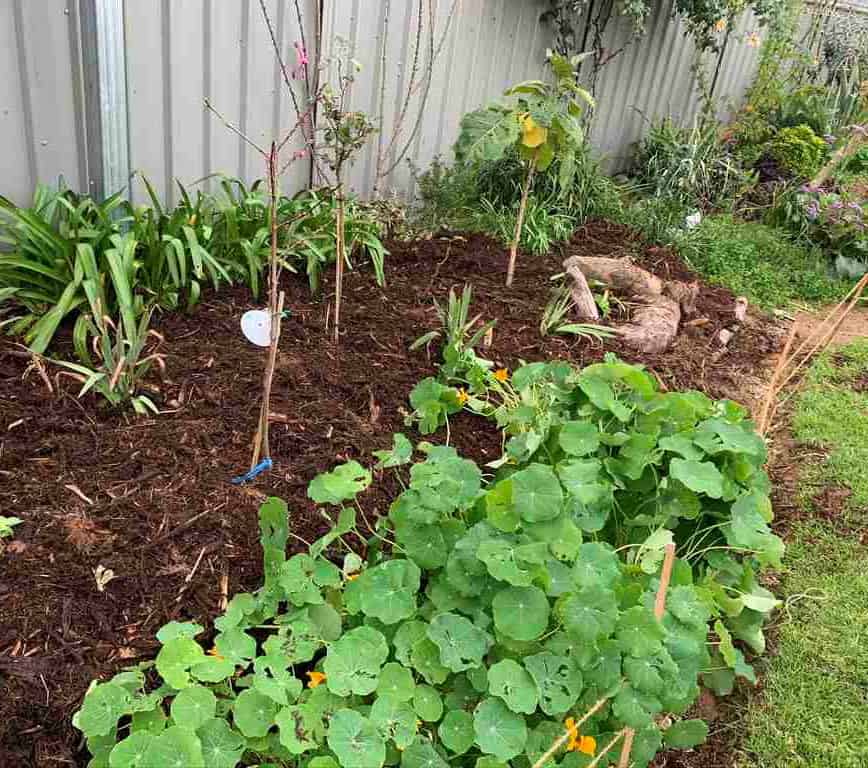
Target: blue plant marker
[263,466]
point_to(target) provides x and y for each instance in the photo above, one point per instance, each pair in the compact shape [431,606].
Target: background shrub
[798,150]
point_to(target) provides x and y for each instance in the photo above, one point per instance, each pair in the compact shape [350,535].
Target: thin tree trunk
[513,250]
[275,307]
[339,264]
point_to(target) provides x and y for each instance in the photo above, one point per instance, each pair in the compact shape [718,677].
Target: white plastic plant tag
[256,327]
[693,220]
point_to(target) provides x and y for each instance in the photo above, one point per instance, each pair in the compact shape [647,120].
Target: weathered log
[655,320]
[583,299]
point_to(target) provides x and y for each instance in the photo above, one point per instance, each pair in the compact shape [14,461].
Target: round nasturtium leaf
[193,706]
[589,613]
[298,726]
[639,633]
[537,493]
[397,681]
[427,703]
[353,663]
[503,561]
[424,544]
[579,438]
[395,719]
[462,644]
[425,658]
[421,754]
[408,634]
[558,681]
[390,590]
[512,683]
[221,746]
[456,731]
[102,709]
[478,678]
[521,613]
[175,747]
[355,740]
[130,753]
[253,713]
[499,731]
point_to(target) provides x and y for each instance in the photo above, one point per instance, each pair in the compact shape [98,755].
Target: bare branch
[235,130]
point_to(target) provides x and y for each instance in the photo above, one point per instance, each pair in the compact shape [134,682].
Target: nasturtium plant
[486,610]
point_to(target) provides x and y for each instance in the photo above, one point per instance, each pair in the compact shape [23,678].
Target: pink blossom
[298,154]
[301,62]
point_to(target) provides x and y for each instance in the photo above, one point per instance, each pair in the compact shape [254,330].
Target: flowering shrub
[837,221]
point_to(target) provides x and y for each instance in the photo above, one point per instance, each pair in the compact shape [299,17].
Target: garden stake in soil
[659,610]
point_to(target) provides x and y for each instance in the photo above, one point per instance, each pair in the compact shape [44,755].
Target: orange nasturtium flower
[463,397]
[213,652]
[352,577]
[315,679]
[585,744]
[501,374]
[720,25]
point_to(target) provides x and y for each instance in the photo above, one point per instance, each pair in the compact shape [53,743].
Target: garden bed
[150,499]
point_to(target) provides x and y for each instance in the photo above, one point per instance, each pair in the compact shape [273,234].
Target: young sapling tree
[541,122]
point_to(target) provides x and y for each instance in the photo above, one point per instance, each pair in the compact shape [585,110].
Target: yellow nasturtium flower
[463,397]
[532,135]
[501,375]
[316,678]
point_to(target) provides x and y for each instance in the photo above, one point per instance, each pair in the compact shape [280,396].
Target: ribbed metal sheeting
[43,131]
[169,56]
[180,53]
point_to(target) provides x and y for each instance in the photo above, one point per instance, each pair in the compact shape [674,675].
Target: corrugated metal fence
[92,101]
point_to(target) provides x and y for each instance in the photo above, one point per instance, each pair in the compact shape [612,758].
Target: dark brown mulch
[159,510]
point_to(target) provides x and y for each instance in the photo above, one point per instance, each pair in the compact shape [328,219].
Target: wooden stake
[513,249]
[659,610]
[564,737]
[339,264]
[763,424]
[275,309]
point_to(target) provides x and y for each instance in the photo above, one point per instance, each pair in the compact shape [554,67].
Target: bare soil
[150,498]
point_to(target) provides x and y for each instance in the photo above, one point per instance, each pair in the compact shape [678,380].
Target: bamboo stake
[659,610]
[826,340]
[605,750]
[513,249]
[564,737]
[770,392]
[339,263]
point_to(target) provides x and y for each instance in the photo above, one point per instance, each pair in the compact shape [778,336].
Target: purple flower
[812,211]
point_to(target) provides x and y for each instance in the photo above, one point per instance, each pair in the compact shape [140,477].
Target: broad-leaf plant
[476,621]
[541,121]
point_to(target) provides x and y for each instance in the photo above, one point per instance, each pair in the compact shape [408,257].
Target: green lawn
[813,710]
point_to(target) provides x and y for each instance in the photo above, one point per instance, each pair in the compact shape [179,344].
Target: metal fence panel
[178,53]
[42,126]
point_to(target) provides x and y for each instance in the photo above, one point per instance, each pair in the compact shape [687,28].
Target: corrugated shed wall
[42,126]
[480,48]
[174,54]
[180,53]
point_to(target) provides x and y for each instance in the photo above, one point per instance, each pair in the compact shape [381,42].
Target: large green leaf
[456,731]
[253,713]
[343,483]
[222,747]
[193,706]
[462,644]
[102,709]
[537,493]
[589,613]
[353,663]
[355,740]
[175,747]
[389,591]
[486,134]
[685,734]
[558,680]
[700,476]
[512,683]
[499,731]
[521,613]
[395,719]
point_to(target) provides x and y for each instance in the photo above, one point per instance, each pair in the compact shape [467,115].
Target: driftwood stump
[654,324]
